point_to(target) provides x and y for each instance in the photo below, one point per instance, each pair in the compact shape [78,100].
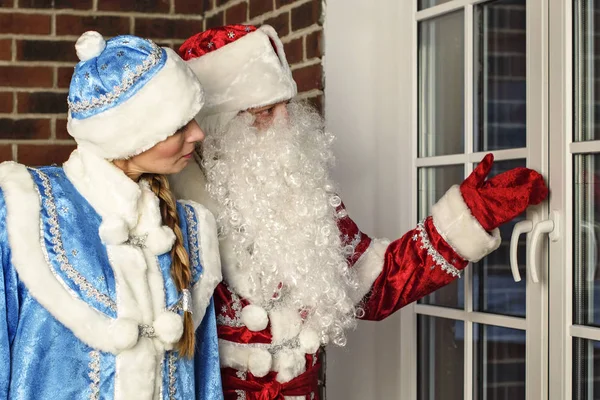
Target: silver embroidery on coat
[241,395]
[192,237]
[172,379]
[128,81]
[61,255]
[236,306]
[433,253]
[94,375]
[146,331]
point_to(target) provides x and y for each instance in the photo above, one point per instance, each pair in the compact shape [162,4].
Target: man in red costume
[297,270]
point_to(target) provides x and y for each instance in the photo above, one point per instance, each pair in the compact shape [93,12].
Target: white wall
[368,106]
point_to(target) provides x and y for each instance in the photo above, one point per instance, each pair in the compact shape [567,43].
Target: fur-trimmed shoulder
[22,224]
[204,247]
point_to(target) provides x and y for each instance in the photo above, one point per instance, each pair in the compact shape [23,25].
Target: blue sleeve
[207,370]
[7,303]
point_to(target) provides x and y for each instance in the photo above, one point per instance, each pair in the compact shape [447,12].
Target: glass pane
[499,363]
[586,74]
[441,85]
[586,231]
[586,369]
[494,289]
[500,69]
[433,183]
[440,347]
[430,3]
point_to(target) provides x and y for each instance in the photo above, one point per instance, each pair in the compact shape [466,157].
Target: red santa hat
[240,67]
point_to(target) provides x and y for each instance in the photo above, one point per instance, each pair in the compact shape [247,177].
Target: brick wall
[37,54]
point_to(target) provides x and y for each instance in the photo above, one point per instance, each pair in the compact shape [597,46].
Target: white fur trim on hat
[166,103]
[453,220]
[254,317]
[245,74]
[89,45]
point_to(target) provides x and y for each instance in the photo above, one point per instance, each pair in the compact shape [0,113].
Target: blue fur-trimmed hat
[127,94]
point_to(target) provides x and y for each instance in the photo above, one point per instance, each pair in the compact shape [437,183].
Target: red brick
[306,15]
[33,24]
[46,50]
[260,7]
[5,152]
[73,4]
[191,7]
[76,25]
[5,49]
[24,128]
[26,76]
[167,28]
[309,78]
[281,3]
[61,129]
[236,14]
[294,50]
[281,23]
[44,154]
[317,102]
[64,75]
[6,3]
[220,2]
[42,103]
[216,20]
[6,102]
[314,45]
[147,6]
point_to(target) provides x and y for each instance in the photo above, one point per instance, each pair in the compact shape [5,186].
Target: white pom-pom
[288,364]
[124,333]
[113,231]
[160,240]
[254,317]
[309,341]
[89,45]
[259,362]
[168,327]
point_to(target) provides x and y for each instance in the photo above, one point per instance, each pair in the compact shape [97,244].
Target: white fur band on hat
[167,102]
[245,74]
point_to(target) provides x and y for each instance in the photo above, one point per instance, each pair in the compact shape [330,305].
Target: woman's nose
[195,133]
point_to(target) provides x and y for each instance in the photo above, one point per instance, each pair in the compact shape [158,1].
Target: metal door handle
[520,228]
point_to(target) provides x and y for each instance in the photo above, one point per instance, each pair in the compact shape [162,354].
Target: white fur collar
[131,209]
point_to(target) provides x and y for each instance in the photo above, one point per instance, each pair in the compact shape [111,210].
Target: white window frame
[537,141]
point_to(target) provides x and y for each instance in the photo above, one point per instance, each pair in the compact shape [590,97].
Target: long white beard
[278,209]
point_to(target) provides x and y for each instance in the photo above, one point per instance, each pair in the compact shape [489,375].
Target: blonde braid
[180,261]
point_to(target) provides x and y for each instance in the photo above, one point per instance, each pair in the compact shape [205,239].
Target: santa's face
[265,116]
[268,171]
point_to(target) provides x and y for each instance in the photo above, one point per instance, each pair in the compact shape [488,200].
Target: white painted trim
[584,332]
[455,159]
[474,317]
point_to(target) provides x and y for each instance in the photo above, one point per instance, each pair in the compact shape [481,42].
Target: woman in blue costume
[106,282]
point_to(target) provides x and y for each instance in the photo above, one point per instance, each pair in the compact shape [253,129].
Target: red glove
[503,197]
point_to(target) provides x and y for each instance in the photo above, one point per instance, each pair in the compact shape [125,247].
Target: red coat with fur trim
[271,356]
[268,354]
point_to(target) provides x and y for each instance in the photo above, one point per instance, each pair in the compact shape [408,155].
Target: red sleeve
[417,264]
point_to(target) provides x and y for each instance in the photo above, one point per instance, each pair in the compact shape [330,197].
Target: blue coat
[88,307]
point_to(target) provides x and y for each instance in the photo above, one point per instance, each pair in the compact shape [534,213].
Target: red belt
[302,385]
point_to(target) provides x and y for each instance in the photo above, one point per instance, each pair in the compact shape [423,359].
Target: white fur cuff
[453,220]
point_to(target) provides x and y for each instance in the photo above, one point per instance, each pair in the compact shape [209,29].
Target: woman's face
[167,157]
